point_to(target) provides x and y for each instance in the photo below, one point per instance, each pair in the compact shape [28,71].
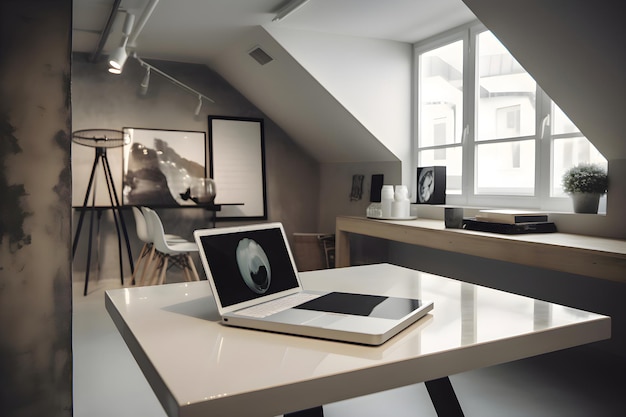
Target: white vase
[586,202]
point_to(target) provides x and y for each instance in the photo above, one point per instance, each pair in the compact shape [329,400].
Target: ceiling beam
[106,31]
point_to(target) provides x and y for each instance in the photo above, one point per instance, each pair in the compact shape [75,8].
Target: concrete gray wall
[35,273]
[103,100]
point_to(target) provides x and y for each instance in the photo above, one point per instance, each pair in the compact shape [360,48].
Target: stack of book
[510,222]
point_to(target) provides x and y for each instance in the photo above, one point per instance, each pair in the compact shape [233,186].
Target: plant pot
[586,202]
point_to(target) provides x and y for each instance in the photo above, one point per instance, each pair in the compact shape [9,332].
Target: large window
[480,114]
[441,110]
[569,148]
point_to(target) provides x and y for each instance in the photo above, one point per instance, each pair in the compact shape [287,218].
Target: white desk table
[198,367]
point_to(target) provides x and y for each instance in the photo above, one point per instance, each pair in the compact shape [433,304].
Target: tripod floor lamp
[101,140]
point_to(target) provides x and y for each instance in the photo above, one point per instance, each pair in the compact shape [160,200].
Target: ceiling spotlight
[117,58]
[199,107]
[288,9]
[145,82]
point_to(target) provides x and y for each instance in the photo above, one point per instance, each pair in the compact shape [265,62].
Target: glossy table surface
[198,367]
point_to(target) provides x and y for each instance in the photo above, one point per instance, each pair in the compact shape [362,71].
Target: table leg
[311,412]
[443,397]
[342,249]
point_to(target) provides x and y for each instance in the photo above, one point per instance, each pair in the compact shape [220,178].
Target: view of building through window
[505,130]
[487,122]
[441,111]
[569,148]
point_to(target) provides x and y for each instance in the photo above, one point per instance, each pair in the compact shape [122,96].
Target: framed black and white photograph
[159,166]
[431,185]
[237,164]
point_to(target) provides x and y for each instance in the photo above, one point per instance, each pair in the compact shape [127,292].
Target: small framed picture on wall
[431,185]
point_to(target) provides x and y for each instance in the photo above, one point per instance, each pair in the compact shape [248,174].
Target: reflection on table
[196,366]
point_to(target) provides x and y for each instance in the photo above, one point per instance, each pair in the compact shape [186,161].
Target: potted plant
[586,183]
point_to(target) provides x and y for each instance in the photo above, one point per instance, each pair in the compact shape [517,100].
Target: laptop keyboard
[276,306]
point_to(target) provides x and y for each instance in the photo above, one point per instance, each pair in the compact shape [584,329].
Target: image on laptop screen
[249,264]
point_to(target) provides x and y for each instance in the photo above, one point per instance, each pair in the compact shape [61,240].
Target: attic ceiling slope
[371,78]
[194,31]
[292,98]
[575,50]
[202,31]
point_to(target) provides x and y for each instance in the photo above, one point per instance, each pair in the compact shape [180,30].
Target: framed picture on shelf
[237,164]
[431,185]
[159,166]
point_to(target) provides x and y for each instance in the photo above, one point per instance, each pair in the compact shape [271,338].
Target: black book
[508,228]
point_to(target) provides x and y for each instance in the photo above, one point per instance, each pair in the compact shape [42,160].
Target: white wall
[371,78]
[336,184]
[295,100]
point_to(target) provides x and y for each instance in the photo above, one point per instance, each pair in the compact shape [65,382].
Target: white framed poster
[237,165]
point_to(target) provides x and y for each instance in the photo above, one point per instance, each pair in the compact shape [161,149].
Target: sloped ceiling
[329,126]
[288,94]
[573,48]
[220,34]
[576,51]
[194,31]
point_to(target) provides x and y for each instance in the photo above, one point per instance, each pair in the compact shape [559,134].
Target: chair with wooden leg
[148,253]
[178,252]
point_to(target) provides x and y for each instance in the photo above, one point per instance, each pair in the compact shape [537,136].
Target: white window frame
[543,137]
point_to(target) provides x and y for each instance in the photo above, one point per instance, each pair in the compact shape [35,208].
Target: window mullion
[469,116]
[543,167]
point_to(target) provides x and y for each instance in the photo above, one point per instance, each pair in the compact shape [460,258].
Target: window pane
[506,168]
[561,124]
[441,95]
[568,152]
[506,93]
[450,158]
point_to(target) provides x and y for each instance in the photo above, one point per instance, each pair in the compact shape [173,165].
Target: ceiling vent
[260,55]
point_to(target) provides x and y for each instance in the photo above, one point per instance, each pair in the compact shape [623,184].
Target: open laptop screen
[249,264]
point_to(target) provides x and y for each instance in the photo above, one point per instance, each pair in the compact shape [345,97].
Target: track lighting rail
[152,68]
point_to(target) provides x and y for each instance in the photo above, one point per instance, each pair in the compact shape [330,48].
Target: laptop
[256,285]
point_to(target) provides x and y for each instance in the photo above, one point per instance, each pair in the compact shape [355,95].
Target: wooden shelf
[583,255]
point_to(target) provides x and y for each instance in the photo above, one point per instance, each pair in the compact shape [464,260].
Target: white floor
[576,382]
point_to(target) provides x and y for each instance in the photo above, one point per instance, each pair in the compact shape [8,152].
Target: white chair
[179,252]
[147,253]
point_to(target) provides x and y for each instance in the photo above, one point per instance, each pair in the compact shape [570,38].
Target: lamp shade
[117,58]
